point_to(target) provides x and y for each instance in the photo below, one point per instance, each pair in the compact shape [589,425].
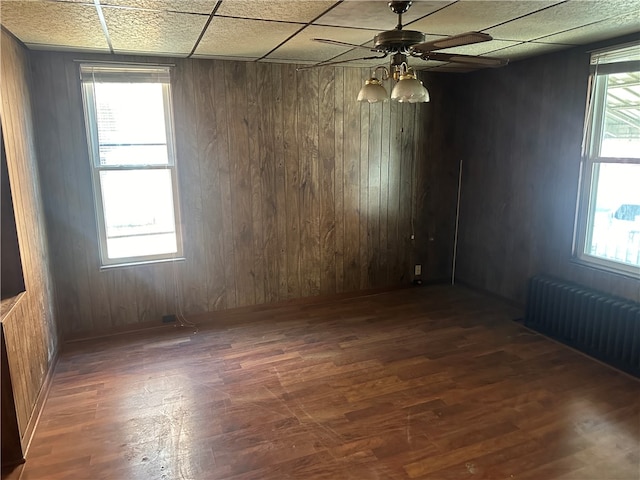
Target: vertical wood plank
[406,192]
[224,204]
[256,137]
[209,141]
[280,180]
[292,180]
[363,185]
[193,285]
[383,266]
[266,177]
[393,205]
[421,188]
[373,194]
[326,165]
[308,161]
[237,109]
[338,177]
[351,174]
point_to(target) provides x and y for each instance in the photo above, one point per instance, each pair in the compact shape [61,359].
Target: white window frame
[134,74]
[603,62]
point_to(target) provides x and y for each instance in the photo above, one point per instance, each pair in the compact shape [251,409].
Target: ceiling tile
[68,25]
[527,49]
[145,31]
[376,14]
[605,29]
[239,37]
[301,11]
[191,6]
[562,17]
[302,47]
[480,48]
[224,57]
[476,15]
[279,60]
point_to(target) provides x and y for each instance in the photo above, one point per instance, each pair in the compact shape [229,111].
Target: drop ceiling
[282,30]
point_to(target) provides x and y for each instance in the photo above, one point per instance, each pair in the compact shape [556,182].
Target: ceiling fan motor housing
[397,40]
[399,7]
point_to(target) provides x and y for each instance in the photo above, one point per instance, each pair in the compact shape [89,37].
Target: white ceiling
[281,30]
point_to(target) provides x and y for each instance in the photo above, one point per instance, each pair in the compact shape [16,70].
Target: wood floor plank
[425,383]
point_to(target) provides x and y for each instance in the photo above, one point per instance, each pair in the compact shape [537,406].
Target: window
[130,131]
[609,215]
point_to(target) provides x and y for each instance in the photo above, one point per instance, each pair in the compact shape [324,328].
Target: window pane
[621,135]
[138,212]
[131,124]
[615,213]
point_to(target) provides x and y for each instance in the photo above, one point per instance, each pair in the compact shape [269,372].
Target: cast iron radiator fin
[598,324]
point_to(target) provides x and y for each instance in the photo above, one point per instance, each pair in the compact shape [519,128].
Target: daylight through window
[130,131]
[609,232]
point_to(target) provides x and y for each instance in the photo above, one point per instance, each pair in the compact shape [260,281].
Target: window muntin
[609,235]
[130,130]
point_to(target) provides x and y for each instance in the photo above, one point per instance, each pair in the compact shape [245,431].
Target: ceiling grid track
[204,29]
[103,24]
[298,31]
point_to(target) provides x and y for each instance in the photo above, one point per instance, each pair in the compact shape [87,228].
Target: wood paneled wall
[289,188]
[29,327]
[520,128]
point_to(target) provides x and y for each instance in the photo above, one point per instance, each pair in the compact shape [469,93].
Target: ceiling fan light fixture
[373,92]
[409,89]
[401,43]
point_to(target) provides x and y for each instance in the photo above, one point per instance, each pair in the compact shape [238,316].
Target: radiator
[598,324]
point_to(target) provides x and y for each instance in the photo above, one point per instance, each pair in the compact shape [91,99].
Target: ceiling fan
[402,43]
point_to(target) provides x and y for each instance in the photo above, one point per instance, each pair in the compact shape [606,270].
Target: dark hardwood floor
[435,382]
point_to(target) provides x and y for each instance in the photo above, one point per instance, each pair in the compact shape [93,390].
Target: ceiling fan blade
[324,64]
[342,44]
[468,59]
[453,41]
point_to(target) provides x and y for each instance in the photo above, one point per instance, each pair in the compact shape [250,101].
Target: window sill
[141,263]
[594,265]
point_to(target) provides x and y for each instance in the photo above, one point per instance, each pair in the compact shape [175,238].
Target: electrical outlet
[417,270]
[171,318]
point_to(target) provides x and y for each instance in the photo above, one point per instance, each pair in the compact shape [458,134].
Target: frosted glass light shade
[373,92]
[409,89]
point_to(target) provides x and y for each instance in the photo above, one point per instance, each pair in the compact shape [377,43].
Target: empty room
[320,239]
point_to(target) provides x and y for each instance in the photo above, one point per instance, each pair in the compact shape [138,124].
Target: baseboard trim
[39,405]
[114,331]
[509,301]
[203,318]
[306,301]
